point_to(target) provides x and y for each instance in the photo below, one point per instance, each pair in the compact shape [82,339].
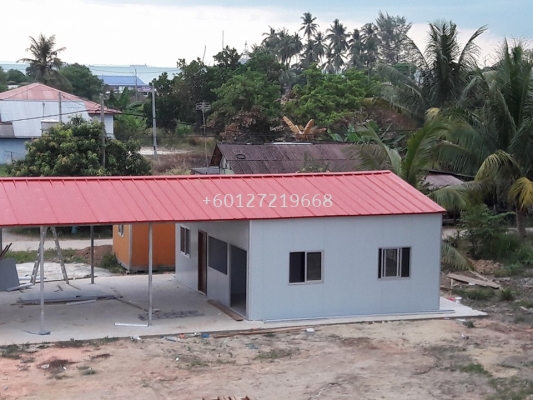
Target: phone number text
[270,200]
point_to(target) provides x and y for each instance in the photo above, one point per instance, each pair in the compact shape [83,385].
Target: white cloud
[158,35]
[133,34]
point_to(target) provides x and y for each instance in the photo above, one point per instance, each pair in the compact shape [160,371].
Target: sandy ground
[52,271]
[431,359]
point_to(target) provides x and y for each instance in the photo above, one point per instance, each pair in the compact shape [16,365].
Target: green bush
[474,294]
[482,228]
[508,248]
[509,270]
[110,262]
[183,130]
[506,294]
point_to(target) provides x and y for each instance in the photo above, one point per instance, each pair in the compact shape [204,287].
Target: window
[121,230]
[394,263]
[185,241]
[305,267]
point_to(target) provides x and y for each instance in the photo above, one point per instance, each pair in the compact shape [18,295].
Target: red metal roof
[115,200]
[40,92]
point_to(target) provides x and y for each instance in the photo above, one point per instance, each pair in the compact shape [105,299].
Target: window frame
[120,230]
[306,281]
[400,258]
[185,245]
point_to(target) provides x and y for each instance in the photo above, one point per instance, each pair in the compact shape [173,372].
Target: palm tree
[507,116]
[308,55]
[443,72]
[355,48]
[370,44]
[45,64]
[337,46]
[422,148]
[308,25]
[328,66]
[319,45]
[337,37]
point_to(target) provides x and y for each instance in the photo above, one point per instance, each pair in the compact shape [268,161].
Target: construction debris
[9,277]
[473,281]
[260,332]
[65,296]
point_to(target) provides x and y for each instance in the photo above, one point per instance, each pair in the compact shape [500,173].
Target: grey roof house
[278,158]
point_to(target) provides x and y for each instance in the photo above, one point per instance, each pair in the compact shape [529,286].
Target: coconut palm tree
[328,66]
[308,55]
[308,25]
[370,44]
[507,117]
[45,63]
[419,156]
[355,49]
[337,37]
[319,45]
[443,72]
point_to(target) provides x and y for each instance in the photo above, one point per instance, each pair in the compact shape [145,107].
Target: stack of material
[9,278]
[65,296]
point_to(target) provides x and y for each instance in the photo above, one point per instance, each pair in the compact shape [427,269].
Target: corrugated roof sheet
[40,92]
[26,116]
[121,80]
[286,158]
[440,180]
[115,200]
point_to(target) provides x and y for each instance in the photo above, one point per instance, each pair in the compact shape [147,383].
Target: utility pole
[203,107]
[102,120]
[60,108]
[136,90]
[154,129]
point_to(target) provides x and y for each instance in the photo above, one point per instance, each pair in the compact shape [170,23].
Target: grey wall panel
[350,283]
[232,232]
[218,286]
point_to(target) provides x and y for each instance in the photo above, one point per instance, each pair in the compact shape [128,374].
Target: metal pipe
[154,128]
[150,267]
[41,283]
[92,254]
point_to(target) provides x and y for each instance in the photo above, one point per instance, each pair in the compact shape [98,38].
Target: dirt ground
[99,253]
[434,359]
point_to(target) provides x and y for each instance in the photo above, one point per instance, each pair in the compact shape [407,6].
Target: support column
[150,268]
[41,283]
[92,254]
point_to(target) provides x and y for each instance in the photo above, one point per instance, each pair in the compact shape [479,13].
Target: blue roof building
[120,82]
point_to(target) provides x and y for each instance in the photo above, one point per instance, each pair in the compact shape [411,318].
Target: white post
[92,254]
[41,283]
[154,128]
[150,266]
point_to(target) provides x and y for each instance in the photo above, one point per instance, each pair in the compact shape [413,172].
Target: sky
[159,32]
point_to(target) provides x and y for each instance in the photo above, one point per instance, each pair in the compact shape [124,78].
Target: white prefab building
[270,247]
[384,260]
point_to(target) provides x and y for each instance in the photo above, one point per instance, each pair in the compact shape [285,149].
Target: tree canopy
[82,82]
[44,60]
[75,149]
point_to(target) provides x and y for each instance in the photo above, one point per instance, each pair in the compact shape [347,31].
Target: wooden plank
[473,281]
[226,310]
[258,332]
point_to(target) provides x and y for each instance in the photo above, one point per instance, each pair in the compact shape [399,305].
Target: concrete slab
[181,310]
